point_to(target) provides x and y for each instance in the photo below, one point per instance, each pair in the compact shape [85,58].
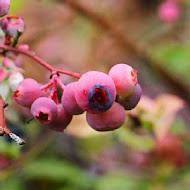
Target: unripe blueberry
[95,92]
[124,77]
[109,120]
[62,121]
[27,92]
[68,100]
[13,25]
[132,100]
[168,11]
[44,110]
[14,79]
[4,7]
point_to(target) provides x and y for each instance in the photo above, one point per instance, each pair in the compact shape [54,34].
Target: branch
[40,61]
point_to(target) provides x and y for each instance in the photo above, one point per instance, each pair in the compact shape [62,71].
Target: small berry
[13,25]
[124,77]
[14,79]
[44,110]
[168,11]
[109,120]
[132,100]
[95,92]
[27,92]
[68,100]
[4,7]
[62,121]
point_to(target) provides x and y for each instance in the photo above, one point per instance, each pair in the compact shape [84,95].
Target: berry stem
[61,85]
[40,61]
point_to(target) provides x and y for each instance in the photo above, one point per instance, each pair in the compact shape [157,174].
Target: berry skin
[68,100]
[132,100]
[95,92]
[62,121]
[13,25]
[8,63]
[2,74]
[124,77]
[27,92]
[109,120]
[4,7]
[44,110]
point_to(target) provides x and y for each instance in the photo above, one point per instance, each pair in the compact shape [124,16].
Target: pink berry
[27,92]
[44,110]
[62,121]
[68,100]
[95,92]
[124,77]
[132,100]
[109,120]
[4,7]
[168,11]
[13,25]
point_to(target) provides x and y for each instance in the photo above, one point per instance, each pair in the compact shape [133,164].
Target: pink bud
[27,92]
[44,110]
[13,25]
[4,7]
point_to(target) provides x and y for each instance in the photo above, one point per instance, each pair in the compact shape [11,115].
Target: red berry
[95,92]
[124,77]
[62,121]
[132,100]
[4,7]
[68,100]
[13,25]
[109,120]
[44,110]
[27,92]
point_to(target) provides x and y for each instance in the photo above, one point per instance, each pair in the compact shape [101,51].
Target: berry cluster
[104,98]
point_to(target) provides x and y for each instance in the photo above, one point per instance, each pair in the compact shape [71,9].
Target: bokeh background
[85,35]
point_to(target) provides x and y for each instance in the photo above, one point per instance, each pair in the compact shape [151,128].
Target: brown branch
[178,87]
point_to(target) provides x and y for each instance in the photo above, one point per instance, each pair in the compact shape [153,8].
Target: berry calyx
[95,92]
[44,110]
